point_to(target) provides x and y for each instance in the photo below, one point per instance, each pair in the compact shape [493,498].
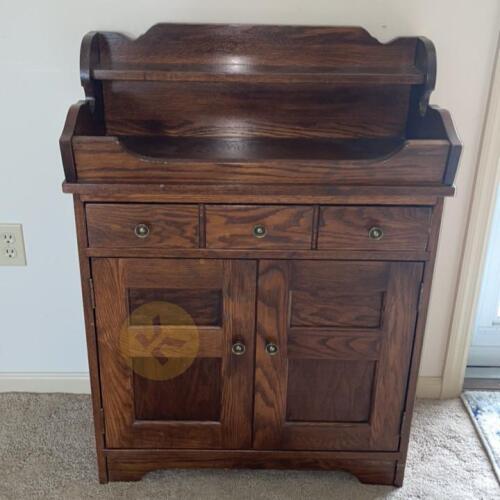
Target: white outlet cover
[12,245]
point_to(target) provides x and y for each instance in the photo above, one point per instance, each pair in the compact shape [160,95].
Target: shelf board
[406,75]
[258,149]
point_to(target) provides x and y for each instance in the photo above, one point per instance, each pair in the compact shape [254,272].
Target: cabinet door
[166,331]
[333,346]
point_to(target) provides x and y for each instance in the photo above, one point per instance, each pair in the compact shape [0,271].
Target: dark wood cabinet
[344,333]
[257,210]
[166,330]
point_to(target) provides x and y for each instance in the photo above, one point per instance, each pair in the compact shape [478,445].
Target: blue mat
[484,410]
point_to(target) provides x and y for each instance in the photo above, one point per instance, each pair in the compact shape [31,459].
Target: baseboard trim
[429,387]
[79,383]
[70,382]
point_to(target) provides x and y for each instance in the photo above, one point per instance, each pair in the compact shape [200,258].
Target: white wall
[41,323]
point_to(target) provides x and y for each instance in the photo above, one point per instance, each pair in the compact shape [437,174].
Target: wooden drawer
[166,226]
[250,226]
[374,228]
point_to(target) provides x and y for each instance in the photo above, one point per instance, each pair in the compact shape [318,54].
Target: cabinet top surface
[326,97]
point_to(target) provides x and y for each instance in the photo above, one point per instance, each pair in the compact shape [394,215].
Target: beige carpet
[46,451]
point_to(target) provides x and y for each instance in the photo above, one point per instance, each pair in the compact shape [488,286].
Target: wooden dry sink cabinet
[257,211]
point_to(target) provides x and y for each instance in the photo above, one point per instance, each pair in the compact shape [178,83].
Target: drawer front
[374,228]
[158,226]
[249,226]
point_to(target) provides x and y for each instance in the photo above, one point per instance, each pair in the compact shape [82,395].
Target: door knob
[271,349]
[259,231]
[375,233]
[238,348]
[142,230]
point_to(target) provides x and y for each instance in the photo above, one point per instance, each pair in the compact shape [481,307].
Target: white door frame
[476,240]
[484,349]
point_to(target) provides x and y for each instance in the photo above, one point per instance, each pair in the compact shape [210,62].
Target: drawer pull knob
[375,233]
[142,230]
[259,231]
[271,349]
[238,348]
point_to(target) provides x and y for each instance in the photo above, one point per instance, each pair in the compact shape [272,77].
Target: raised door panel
[343,332]
[165,333]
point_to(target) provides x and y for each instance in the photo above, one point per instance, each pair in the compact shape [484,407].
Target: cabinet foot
[400,473]
[132,465]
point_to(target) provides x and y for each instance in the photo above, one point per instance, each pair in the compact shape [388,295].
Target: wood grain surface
[105,159]
[169,226]
[345,373]
[231,110]
[404,228]
[203,132]
[131,465]
[232,226]
[143,413]
[335,46]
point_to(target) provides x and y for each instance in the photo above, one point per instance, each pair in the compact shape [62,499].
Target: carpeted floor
[47,451]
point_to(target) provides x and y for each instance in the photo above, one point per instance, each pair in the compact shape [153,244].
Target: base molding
[68,382]
[368,467]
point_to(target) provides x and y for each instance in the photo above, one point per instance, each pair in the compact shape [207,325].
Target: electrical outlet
[12,245]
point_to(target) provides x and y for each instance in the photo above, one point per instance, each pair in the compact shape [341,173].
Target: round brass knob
[238,348]
[271,349]
[142,230]
[375,233]
[259,231]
